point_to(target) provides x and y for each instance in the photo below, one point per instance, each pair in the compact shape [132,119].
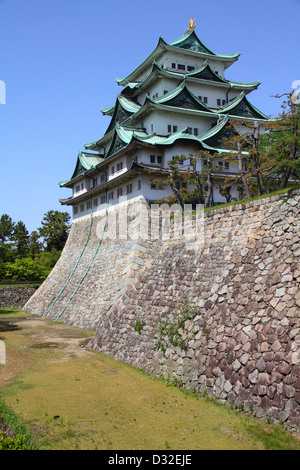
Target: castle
[176,102]
[243,344]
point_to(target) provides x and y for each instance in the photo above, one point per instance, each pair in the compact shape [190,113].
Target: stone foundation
[15,297]
[241,344]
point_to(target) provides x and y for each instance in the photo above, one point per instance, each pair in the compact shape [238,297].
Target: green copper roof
[181,97]
[189,42]
[126,103]
[222,129]
[241,107]
[123,109]
[204,73]
[85,161]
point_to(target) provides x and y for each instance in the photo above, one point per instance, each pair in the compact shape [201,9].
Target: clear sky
[59,60]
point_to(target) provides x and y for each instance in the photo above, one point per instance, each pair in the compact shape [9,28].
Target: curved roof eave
[236,101]
[164,46]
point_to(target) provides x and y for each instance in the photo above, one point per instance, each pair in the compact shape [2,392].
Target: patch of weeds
[273,438]
[139,325]
[12,443]
[171,331]
[14,435]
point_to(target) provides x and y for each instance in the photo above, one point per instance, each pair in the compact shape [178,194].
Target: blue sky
[59,60]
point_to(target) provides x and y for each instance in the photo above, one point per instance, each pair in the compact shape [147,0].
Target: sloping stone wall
[242,344]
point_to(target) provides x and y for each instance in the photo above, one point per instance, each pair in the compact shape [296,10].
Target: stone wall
[240,344]
[15,297]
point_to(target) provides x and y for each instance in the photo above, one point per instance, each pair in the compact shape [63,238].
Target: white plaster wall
[160,121]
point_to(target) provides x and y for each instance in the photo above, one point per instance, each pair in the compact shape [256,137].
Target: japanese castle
[176,102]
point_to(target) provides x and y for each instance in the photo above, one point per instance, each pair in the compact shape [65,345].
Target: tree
[244,150]
[6,231]
[6,228]
[280,145]
[181,174]
[25,270]
[20,237]
[55,229]
[35,246]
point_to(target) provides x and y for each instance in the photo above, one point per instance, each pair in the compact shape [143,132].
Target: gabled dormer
[241,107]
[181,97]
[123,109]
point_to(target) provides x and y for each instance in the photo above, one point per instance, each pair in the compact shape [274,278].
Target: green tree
[280,145]
[35,246]
[20,237]
[6,228]
[185,170]
[25,269]
[55,229]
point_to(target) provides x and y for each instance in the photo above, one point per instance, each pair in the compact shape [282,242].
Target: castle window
[75,210]
[111,195]
[173,65]
[81,207]
[175,128]
[205,100]
[77,188]
[165,92]
[156,159]
[221,102]
[95,202]
[119,166]
[139,184]
[195,131]
[112,170]
[103,199]
[181,67]
[129,189]
[82,185]
[119,192]
[226,165]
[88,205]
[153,186]
[190,68]
[103,178]
[169,128]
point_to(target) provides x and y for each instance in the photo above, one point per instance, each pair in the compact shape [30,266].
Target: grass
[255,198]
[9,420]
[9,283]
[71,398]
[12,312]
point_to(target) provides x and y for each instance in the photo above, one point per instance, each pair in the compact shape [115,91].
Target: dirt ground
[73,398]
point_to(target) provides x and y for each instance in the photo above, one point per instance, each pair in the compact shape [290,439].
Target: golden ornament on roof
[191,24]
